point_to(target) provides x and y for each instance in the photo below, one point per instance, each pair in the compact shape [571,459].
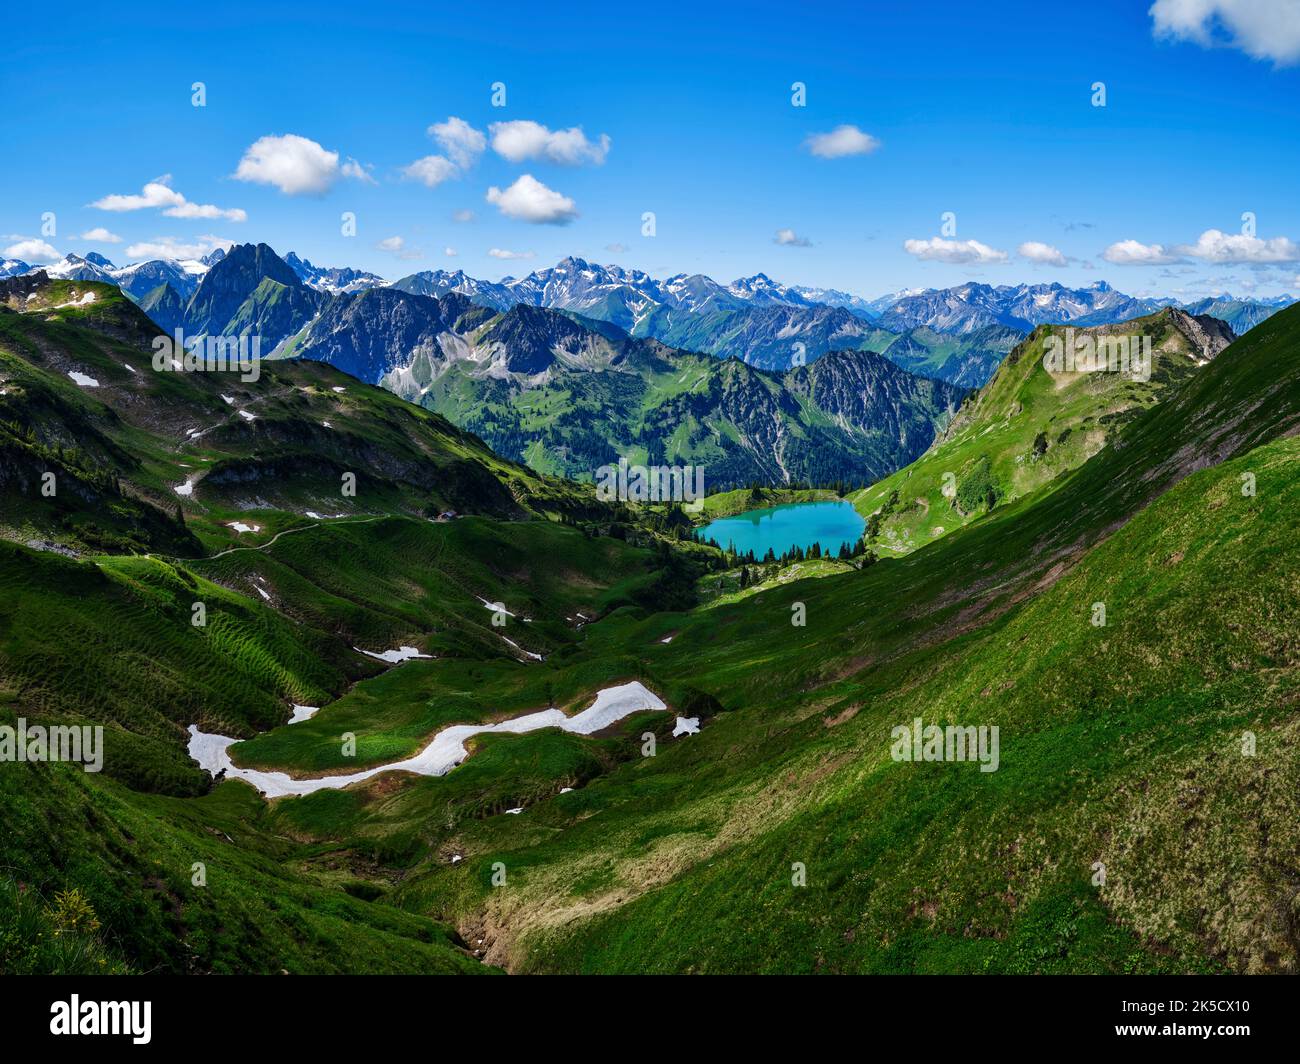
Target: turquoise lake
[795,524]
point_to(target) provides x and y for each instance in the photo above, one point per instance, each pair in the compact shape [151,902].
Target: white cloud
[396,245]
[499,253]
[158,194]
[432,170]
[529,200]
[1134,253]
[102,235]
[616,249]
[461,141]
[357,172]
[169,247]
[841,141]
[205,210]
[1263,29]
[1043,254]
[520,140]
[30,249]
[463,216]
[295,165]
[789,238]
[451,253]
[1234,248]
[957,252]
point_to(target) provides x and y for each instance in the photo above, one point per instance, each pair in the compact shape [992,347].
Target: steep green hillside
[1029,425]
[1121,744]
[146,459]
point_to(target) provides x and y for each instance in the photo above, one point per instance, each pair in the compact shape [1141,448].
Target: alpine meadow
[760,491]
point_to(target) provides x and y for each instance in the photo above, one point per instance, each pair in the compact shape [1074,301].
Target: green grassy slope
[1120,744]
[1026,427]
[264,452]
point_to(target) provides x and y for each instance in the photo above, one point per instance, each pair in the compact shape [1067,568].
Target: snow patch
[441,755]
[394,656]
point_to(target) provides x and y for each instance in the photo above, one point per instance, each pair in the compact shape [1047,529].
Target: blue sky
[985,111]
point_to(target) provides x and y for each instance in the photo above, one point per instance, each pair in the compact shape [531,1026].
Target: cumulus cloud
[102,235]
[396,245]
[1135,253]
[1043,254]
[296,165]
[789,238]
[461,142]
[432,170]
[450,252]
[528,200]
[956,252]
[1263,29]
[30,249]
[841,141]
[169,247]
[501,253]
[461,145]
[159,195]
[520,140]
[463,216]
[1237,248]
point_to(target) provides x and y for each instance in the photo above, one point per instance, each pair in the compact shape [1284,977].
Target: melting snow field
[184,489]
[445,752]
[394,656]
[81,378]
[301,713]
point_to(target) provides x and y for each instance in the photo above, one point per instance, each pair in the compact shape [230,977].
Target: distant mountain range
[568,394]
[957,334]
[573,366]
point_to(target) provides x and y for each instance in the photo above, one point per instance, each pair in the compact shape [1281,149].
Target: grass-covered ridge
[1026,427]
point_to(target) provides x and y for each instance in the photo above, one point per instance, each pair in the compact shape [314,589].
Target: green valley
[776,832]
